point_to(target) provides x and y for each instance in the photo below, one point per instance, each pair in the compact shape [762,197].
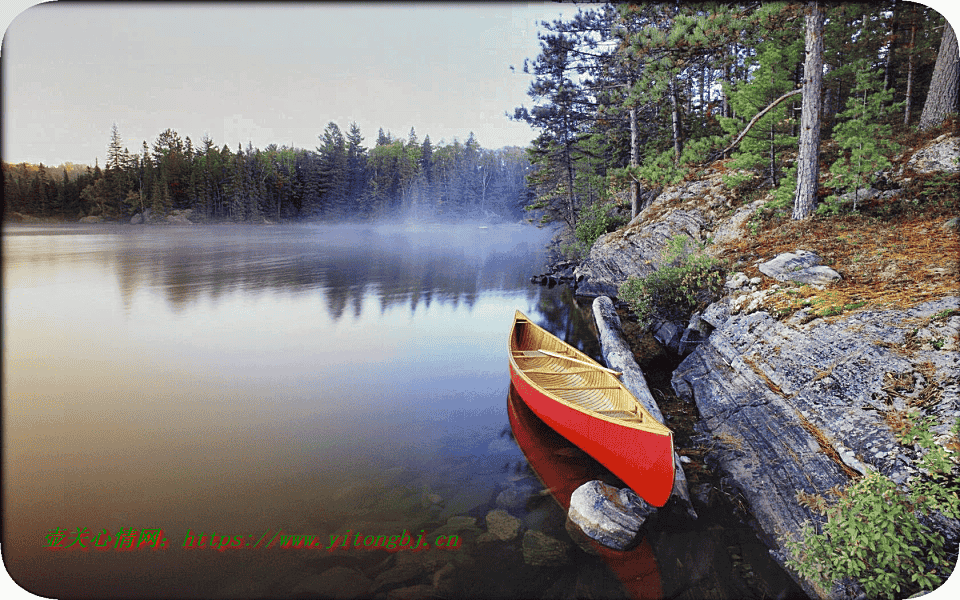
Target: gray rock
[789,409]
[668,333]
[731,229]
[633,251]
[541,550]
[608,515]
[515,497]
[92,219]
[736,281]
[941,156]
[801,266]
[136,219]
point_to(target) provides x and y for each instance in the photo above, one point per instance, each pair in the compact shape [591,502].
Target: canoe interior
[587,388]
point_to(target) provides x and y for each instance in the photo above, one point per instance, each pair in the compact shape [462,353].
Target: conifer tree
[356,165]
[333,169]
[772,133]
[863,134]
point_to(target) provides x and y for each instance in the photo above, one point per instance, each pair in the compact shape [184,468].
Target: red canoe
[586,403]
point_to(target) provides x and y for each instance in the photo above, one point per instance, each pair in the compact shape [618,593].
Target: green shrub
[594,221]
[874,534]
[686,279]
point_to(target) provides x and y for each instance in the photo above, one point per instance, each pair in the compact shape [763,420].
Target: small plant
[686,279]
[873,533]
[594,221]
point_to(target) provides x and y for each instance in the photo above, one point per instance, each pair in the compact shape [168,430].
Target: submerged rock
[501,526]
[541,550]
[608,515]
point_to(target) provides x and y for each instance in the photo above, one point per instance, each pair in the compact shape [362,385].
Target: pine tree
[356,166]
[771,134]
[863,134]
[333,169]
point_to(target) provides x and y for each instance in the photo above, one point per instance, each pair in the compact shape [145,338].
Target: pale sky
[265,73]
[262,73]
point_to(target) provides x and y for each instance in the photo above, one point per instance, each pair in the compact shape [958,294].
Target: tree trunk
[908,105]
[676,123]
[942,97]
[888,67]
[634,162]
[808,168]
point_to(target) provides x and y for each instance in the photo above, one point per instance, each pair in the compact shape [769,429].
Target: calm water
[246,381]
[239,379]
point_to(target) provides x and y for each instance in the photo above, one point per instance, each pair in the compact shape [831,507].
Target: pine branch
[757,117]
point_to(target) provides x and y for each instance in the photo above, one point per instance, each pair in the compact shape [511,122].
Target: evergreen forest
[340,180]
[631,96]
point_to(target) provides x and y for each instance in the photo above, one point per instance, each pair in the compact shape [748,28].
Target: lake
[169,388]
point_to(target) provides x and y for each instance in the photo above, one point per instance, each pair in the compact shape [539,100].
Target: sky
[271,73]
[262,73]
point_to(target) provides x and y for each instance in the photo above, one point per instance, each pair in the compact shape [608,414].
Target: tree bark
[676,123]
[943,94]
[634,162]
[908,105]
[808,168]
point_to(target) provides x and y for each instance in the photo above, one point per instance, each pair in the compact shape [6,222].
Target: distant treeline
[340,180]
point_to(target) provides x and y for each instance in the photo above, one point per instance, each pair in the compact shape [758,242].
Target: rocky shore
[795,399]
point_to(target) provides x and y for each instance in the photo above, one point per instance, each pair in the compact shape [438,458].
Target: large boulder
[801,266]
[799,406]
[939,156]
[634,250]
[608,515]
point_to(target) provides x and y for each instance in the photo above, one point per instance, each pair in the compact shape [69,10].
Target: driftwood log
[618,356]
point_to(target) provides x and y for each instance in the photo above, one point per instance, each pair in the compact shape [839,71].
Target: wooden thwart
[542,352]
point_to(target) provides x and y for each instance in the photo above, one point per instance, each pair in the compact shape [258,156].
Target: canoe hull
[641,458]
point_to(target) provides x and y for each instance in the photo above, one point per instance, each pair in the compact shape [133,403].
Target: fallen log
[617,354]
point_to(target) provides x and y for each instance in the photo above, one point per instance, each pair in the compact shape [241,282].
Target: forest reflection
[348,264]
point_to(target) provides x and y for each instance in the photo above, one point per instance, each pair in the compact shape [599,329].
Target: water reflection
[562,468]
[398,264]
